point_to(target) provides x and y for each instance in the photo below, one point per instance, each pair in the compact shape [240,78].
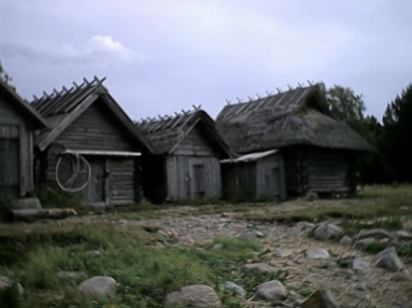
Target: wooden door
[272,182]
[9,167]
[199,181]
[97,185]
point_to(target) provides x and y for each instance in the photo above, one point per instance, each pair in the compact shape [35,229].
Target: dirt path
[374,287]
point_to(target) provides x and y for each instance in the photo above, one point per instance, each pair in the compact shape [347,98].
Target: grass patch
[145,274]
[377,201]
[53,197]
[353,227]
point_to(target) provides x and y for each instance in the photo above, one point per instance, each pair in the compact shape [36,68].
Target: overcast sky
[163,56]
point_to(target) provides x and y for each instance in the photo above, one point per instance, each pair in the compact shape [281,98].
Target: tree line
[391,137]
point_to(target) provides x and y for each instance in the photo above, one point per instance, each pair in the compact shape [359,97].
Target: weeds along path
[152,251]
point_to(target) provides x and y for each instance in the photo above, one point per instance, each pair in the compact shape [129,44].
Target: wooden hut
[93,148]
[319,152]
[254,177]
[18,120]
[186,166]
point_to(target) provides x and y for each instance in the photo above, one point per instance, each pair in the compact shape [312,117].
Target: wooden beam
[34,214]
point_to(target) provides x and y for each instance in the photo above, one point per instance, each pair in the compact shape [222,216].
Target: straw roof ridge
[166,132]
[303,120]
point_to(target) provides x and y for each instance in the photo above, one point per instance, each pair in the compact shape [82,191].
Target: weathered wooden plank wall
[270,182]
[239,181]
[330,171]
[18,159]
[122,180]
[180,177]
[195,144]
[192,153]
[96,130]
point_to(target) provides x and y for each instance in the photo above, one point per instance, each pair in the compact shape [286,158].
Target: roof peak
[56,94]
[161,123]
[310,84]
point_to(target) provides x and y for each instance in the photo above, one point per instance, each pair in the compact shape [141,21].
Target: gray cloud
[99,50]
[201,52]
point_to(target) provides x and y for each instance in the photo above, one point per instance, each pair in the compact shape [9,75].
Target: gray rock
[304,225]
[217,247]
[195,296]
[98,286]
[260,268]
[403,235]
[388,242]
[345,241]
[322,298]
[363,243]
[6,282]
[247,236]
[186,240]
[271,291]
[389,259]
[317,253]
[360,266]
[283,252]
[361,286]
[377,234]
[327,231]
[238,290]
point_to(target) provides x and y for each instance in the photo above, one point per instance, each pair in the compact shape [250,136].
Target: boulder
[6,282]
[326,231]
[403,235]
[283,252]
[360,266]
[376,234]
[186,240]
[322,298]
[195,296]
[363,243]
[98,286]
[317,253]
[238,290]
[271,291]
[247,236]
[389,259]
[262,268]
[304,225]
[345,241]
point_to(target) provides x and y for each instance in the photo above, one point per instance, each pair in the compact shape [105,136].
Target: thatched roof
[61,108]
[296,117]
[165,134]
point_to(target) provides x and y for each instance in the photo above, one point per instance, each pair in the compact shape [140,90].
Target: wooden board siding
[270,182]
[196,144]
[239,181]
[13,127]
[180,177]
[291,173]
[96,130]
[330,171]
[122,181]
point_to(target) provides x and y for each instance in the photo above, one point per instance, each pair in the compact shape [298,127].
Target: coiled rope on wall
[75,163]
